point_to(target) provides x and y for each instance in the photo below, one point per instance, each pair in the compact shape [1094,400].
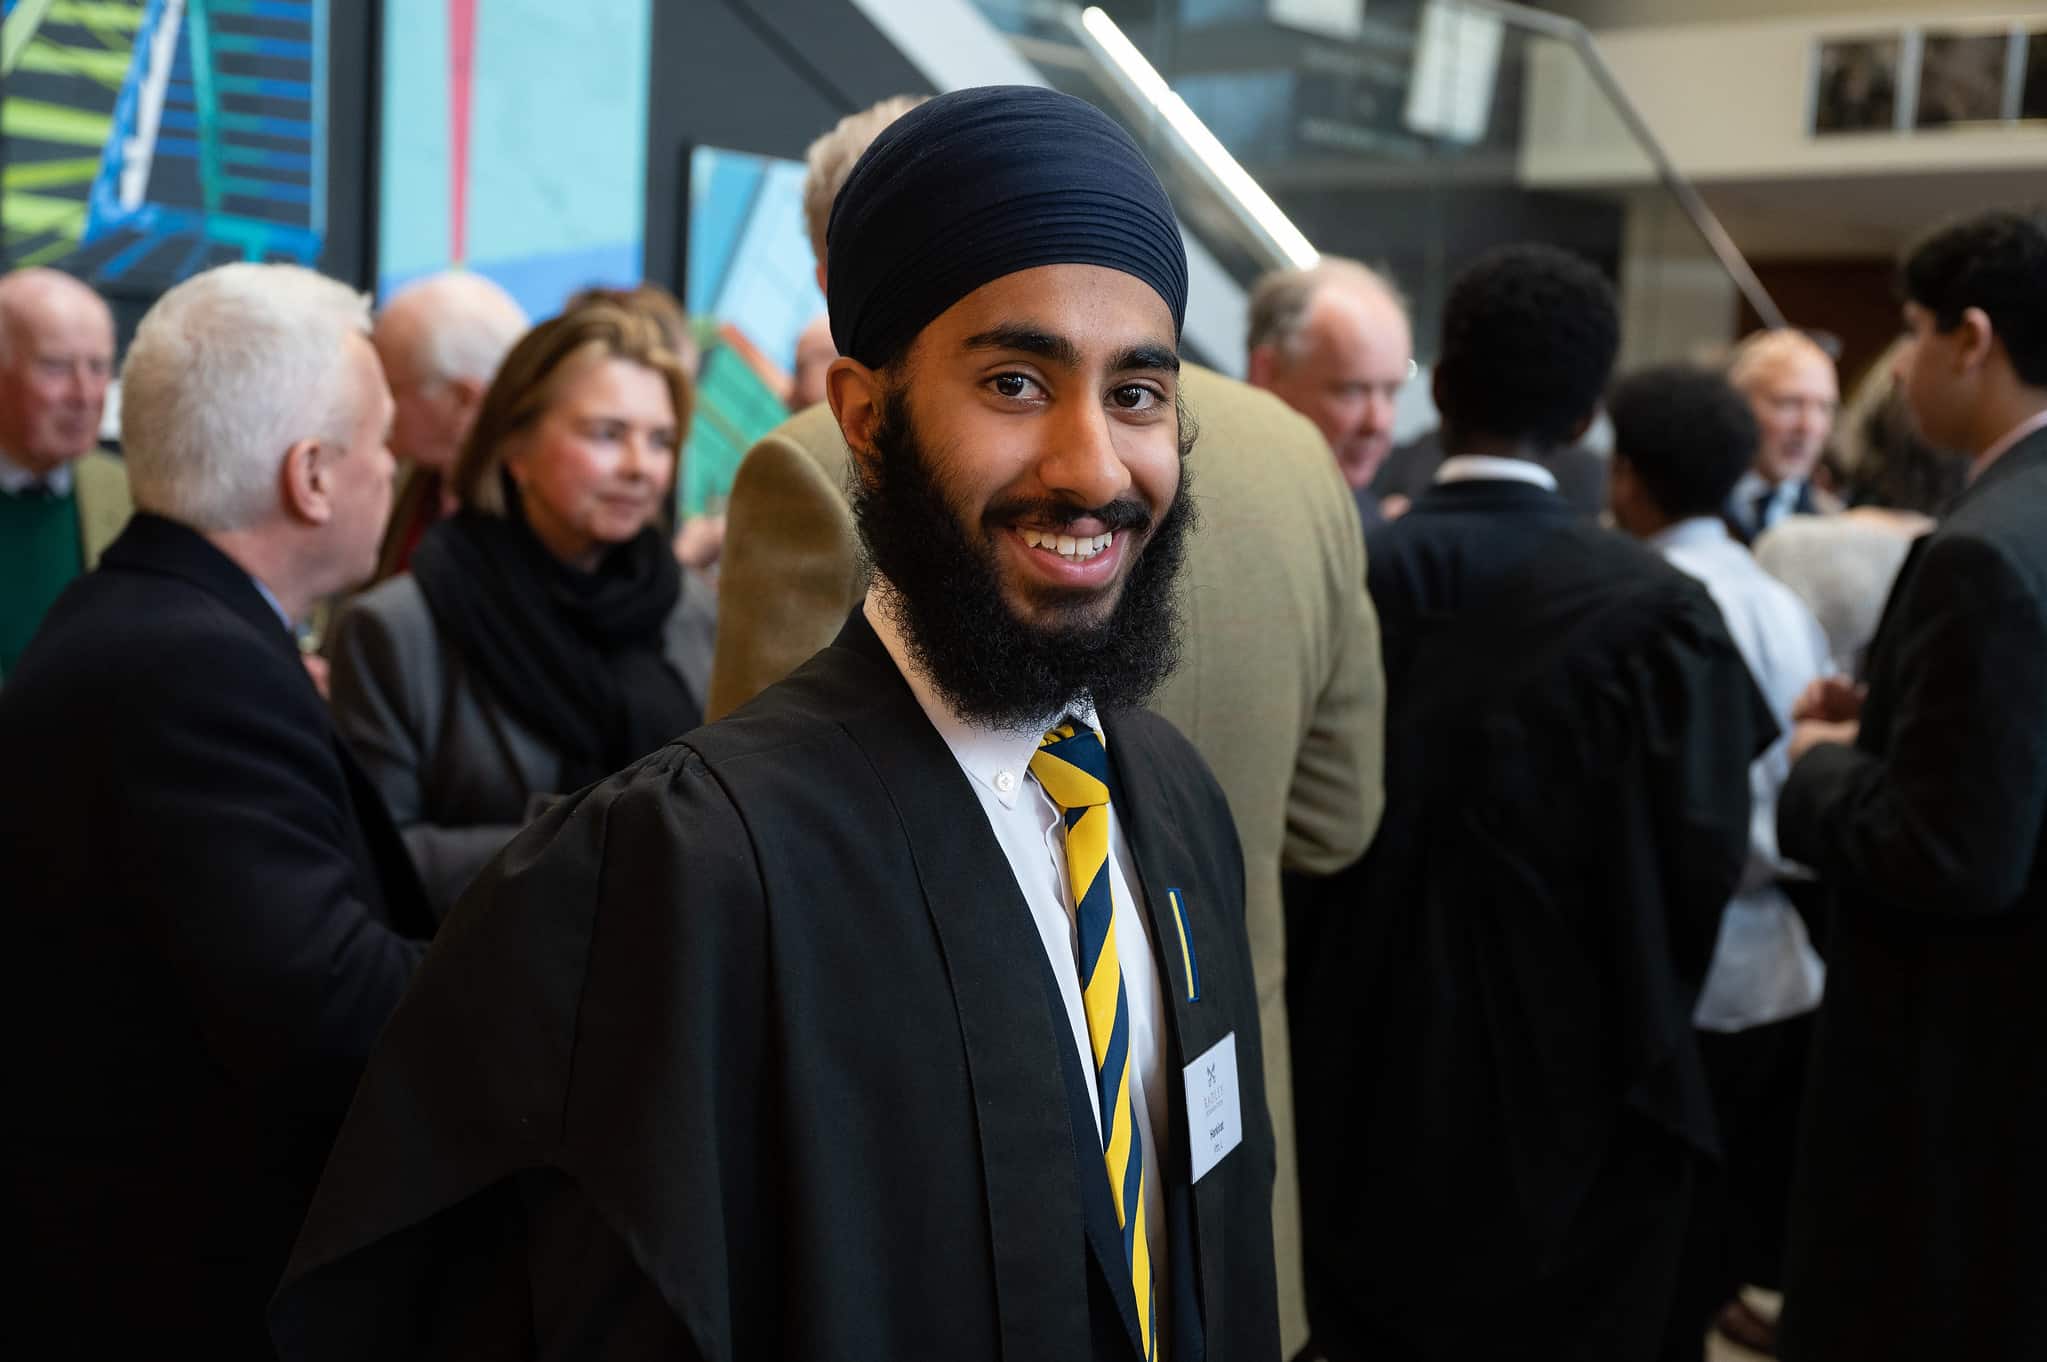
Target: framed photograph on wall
[1962,78]
[1856,83]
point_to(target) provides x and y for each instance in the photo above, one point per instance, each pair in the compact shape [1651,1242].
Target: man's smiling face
[1048,401]
[1020,490]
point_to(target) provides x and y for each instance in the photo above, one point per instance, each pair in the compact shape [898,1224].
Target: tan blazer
[104,505]
[1280,688]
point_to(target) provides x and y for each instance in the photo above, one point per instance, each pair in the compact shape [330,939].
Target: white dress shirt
[16,479]
[1492,468]
[1764,967]
[1027,824]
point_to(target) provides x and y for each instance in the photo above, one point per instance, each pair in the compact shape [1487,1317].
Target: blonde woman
[546,636]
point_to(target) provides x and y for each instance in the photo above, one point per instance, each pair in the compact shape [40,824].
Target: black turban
[979,184]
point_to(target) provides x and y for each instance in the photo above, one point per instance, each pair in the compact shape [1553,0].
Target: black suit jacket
[208,912]
[1921,1183]
[748,1051]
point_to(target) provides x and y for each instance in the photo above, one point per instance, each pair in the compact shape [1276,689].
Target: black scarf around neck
[575,655]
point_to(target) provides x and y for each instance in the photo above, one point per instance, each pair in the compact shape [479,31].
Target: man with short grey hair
[61,501]
[212,913]
[829,160]
[1333,342]
[1791,384]
[441,340]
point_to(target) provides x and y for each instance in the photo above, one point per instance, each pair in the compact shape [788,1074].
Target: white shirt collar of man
[16,480]
[1700,531]
[2037,422]
[1491,468]
[993,757]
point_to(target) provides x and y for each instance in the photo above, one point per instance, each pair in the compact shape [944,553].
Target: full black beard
[993,669]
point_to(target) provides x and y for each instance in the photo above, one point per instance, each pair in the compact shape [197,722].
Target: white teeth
[1066,546]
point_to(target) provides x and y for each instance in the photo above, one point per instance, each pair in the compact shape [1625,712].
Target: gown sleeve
[557,1140]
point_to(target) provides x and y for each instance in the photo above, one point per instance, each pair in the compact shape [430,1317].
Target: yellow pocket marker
[1186,946]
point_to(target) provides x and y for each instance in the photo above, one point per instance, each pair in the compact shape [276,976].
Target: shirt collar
[1491,468]
[274,604]
[2037,421]
[991,757]
[15,479]
[1701,531]
[1754,484]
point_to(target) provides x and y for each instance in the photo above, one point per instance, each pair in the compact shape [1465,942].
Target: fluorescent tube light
[1194,134]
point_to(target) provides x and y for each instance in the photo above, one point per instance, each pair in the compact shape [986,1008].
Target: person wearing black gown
[1506,1111]
[908,1011]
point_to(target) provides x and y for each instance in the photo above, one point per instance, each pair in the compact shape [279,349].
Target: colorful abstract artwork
[514,143]
[149,139]
[750,259]
[750,268]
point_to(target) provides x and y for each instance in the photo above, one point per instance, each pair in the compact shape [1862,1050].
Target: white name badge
[1215,1116]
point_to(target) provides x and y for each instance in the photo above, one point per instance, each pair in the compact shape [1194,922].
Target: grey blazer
[455,767]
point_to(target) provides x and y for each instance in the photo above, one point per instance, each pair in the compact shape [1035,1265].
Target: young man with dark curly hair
[1682,438]
[1508,1118]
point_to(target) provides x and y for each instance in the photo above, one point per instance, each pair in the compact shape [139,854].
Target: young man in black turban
[908,1011]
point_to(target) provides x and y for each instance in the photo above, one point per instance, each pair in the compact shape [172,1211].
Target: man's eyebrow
[1152,356]
[1029,339]
[1034,340]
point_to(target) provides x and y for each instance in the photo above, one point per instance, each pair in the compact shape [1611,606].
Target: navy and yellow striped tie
[1074,770]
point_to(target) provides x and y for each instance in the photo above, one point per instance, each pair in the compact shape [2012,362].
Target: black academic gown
[1507,1113]
[749,1052]
[209,918]
[1410,470]
[1919,1212]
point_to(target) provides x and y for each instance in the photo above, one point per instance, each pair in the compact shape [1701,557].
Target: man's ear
[1621,483]
[306,482]
[1976,337]
[1263,366]
[468,394]
[857,394]
[1584,424]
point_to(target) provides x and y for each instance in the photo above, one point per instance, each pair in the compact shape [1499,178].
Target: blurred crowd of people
[1615,876]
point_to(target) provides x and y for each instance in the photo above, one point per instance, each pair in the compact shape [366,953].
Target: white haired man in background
[61,500]
[440,340]
[212,913]
[1792,386]
[1333,342]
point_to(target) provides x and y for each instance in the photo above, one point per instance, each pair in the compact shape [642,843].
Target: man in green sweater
[60,501]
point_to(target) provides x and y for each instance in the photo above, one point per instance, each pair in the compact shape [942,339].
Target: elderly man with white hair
[61,502]
[211,913]
[1334,343]
[1792,387]
[441,340]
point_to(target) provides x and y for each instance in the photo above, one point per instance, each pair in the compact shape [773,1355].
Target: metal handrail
[1704,220]
[1579,38]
